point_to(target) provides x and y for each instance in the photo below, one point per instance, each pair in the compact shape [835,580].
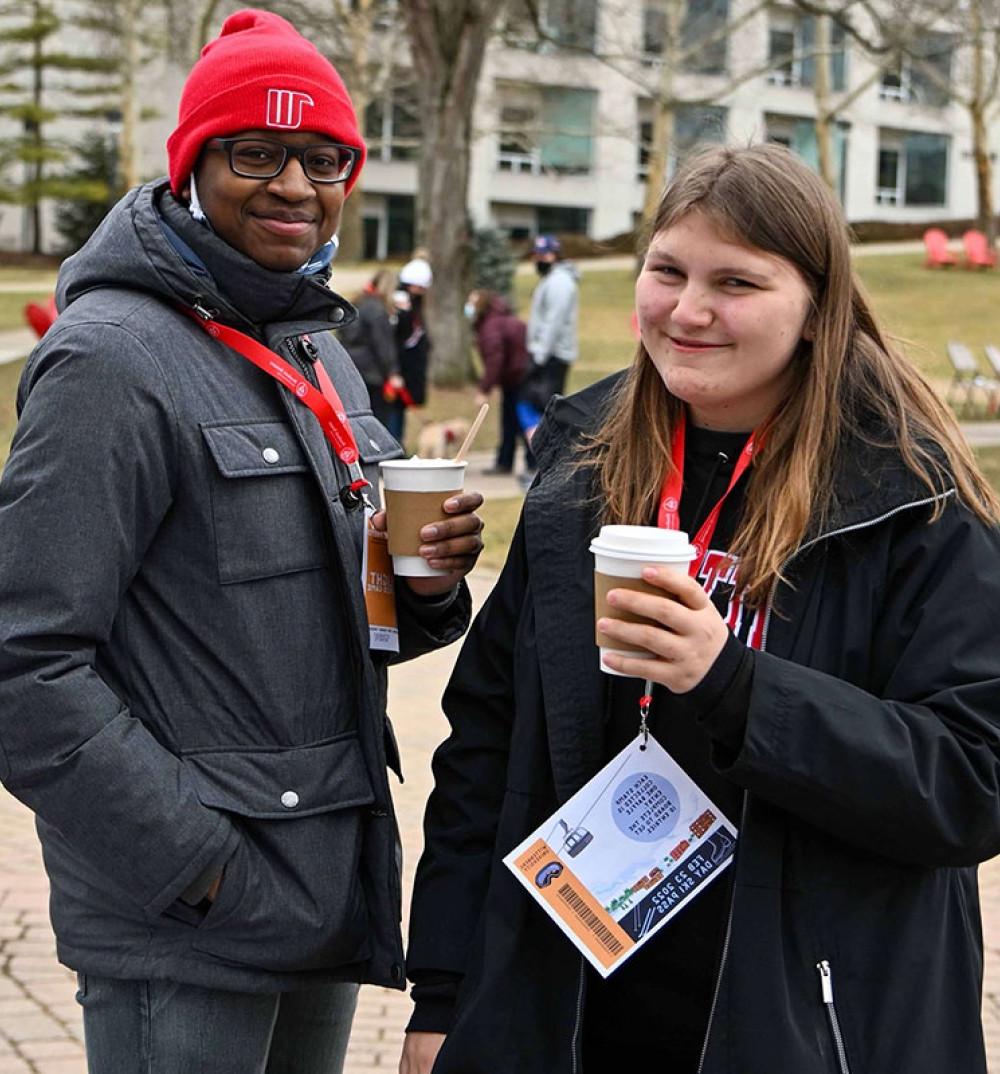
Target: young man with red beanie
[192,699]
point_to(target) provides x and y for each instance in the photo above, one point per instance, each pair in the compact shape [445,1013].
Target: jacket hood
[566,266]
[497,305]
[149,242]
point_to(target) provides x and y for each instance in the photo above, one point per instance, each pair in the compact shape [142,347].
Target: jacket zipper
[306,355]
[725,942]
[826,987]
[746,794]
[574,1046]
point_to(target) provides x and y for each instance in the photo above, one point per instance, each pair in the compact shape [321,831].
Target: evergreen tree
[493,262]
[97,162]
[42,83]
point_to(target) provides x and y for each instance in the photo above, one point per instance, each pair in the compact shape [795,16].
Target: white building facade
[561,127]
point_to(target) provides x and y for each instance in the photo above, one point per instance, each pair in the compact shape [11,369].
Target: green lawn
[12,305]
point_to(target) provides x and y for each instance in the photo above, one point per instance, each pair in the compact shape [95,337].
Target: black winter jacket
[870,766]
[370,340]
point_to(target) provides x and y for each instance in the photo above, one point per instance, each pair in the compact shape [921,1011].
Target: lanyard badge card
[379,586]
[626,853]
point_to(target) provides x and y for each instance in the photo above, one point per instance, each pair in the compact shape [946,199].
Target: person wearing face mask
[191,699]
[412,342]
[552,330]
[552,323]
[500,339]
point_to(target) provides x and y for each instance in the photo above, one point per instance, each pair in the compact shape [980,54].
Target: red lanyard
[324,403]
[670,496]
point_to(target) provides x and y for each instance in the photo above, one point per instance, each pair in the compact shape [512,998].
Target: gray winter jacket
[552,331]
[185,679]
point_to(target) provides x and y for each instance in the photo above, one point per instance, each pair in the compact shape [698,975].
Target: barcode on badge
[599,931]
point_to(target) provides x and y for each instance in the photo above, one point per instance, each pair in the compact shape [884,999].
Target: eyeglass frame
[298,152]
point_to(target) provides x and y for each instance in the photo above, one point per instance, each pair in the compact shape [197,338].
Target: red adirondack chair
[40,317]
[936,245]
[978,252]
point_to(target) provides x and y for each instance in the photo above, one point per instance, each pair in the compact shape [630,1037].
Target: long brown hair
[763,196]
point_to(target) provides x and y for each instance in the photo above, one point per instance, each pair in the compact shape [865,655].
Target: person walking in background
[192,700]
[370,340]
[552,323]
[501,342]
[827,674]
[413,345]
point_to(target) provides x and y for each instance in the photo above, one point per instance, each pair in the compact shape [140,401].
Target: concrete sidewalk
[40,1028]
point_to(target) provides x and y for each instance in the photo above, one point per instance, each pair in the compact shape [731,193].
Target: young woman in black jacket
[828,675]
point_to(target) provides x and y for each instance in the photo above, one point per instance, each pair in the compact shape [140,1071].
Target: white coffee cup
[415,490]
[620,553]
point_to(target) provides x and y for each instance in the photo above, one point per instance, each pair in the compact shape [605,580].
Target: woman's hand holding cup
[686,639]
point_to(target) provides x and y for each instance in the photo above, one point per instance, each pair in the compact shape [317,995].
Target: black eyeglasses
[260,158]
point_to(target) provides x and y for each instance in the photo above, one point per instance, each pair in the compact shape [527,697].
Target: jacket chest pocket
[267,512]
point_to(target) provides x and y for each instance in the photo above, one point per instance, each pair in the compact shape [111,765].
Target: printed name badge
[379,586]
[625,854]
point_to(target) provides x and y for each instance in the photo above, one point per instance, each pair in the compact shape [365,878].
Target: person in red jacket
[501,341]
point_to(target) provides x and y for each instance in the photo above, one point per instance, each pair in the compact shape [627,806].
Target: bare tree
[447,44]
[362,38]
[954,46]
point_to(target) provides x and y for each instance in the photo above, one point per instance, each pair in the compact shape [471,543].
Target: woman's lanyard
[668,517]
[324,402]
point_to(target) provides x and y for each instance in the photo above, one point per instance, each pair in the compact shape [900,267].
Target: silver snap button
[270,456]
[338,315]
[289,799]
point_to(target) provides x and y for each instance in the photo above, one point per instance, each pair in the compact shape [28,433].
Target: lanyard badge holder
[325,403]
[653,839]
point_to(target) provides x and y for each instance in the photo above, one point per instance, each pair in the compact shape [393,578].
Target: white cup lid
[648,543]
[415,463]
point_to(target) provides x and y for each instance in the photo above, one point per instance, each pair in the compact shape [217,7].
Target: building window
[791,51]
[703,34]
[921,80]
[545,129]
[694,126]
[392,124]
[798,133]
[912,168]
[891,169]
[568,24]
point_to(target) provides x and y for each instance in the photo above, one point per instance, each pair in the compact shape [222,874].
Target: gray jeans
[161,1027]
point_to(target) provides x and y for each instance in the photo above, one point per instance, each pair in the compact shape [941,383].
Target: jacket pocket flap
[254,448]
[375,442]
[283,783]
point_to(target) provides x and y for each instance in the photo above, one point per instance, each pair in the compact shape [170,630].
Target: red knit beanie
[260,73]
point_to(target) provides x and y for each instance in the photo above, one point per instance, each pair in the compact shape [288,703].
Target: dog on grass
[441,439]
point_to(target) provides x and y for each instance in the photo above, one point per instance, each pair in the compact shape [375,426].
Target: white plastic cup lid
[647,543]
[415,463]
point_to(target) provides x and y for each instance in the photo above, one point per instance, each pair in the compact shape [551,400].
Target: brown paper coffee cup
[415,492]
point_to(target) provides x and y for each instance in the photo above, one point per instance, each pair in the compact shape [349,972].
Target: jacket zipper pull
[202,310]
[308,350]
[825,981]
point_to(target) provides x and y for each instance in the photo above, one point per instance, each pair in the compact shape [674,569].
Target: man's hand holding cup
[434,533]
